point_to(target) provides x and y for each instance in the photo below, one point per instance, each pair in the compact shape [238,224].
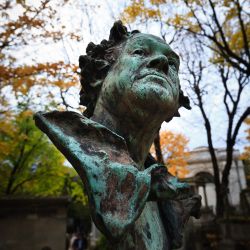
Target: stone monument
[130,85]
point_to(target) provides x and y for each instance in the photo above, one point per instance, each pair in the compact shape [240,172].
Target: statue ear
[184,101]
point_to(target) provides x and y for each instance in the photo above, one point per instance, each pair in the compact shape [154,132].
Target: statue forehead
[141,39]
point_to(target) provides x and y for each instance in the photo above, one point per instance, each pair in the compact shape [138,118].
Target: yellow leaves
[217,59]
[14,28]
[227,3]
[26,113]
[177,20]
[25,20]
[30,23]
[152,13]
[24,78]
[197,2]
[5,149]
[246,153]
[236,42]
[151,10]
[157,2]
[195,28]
[78,194]
[7,130]
[185,21]
[231,13]
[133,11]
[22,85]
[197,17]
[11,133]
[73,36]
[190,14]
[138,8]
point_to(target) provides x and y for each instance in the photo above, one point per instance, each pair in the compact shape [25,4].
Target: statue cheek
[124,81]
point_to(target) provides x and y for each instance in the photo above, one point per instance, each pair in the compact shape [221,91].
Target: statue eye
[139,52]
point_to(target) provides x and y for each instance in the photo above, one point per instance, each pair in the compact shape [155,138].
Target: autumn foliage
[175,152]
[226,35]
[24,26]
[246,153]
[29,163]
[215,37]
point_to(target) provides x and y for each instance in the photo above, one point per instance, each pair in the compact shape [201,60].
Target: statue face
[144,79]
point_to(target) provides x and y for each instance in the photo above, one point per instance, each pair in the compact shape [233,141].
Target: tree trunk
[220,204]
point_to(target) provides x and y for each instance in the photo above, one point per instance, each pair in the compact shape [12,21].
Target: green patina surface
[130,86]
[118,192]
[96,168]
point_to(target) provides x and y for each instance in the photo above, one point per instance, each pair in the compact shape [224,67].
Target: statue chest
[148,232]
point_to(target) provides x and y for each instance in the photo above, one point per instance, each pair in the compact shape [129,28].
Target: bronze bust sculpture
[130,85]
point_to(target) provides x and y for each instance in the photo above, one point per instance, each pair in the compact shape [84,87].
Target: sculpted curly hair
[97,63]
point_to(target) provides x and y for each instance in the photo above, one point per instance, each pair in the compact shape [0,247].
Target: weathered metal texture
[117,190]
[134,201]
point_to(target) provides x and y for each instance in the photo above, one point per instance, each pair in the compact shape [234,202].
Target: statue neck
[138,133]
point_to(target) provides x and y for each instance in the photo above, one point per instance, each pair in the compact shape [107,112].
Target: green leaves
[30,165]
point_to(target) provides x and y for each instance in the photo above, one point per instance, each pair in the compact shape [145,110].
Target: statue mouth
[157,77]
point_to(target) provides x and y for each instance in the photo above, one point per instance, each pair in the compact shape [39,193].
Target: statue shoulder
[70,130]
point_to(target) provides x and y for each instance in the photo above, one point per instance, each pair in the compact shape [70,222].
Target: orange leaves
[174,148]
[174,151]
[74,36]
[230,14]
[186,21]
[178,20]
[151,13]
[133,11]
[27,85]
[23,78]
[24,24]
[236,41]
[246,153]
[13,29]
[225,24]
[157,2]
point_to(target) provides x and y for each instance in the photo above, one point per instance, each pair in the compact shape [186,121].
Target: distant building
[33,223]
[200,175]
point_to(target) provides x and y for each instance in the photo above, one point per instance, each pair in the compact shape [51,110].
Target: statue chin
[156,93]
[155,104]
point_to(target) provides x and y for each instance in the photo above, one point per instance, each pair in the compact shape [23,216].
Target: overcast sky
[93,20]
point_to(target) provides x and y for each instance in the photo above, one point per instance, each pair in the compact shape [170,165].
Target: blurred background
[42,200]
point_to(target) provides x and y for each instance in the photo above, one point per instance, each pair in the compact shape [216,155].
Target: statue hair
[97,62]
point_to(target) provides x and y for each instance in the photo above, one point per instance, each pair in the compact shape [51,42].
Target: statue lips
[155,75]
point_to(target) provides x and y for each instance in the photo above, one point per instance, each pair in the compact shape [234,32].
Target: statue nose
[159,62]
